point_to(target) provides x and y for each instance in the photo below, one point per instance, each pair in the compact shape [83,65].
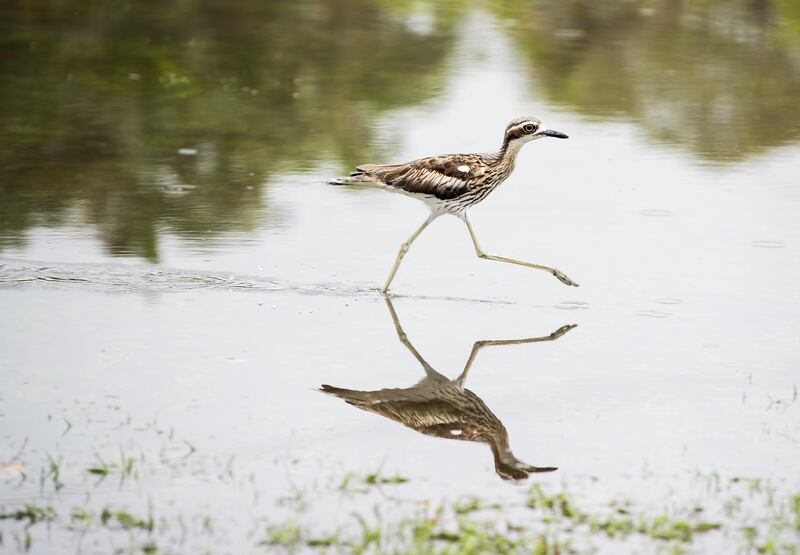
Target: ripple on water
[769,244]
[669,300]
[123,278]
[130,278]
[572,305]
[653,314]
[655,213]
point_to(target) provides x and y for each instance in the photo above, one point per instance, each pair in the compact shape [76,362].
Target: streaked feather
[439,176]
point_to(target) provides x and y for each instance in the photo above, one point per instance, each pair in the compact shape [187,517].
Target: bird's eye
[528,128]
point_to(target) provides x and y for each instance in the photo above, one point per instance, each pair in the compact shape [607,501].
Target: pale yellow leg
[403,250]
[560,275]
[405,341]
[478,345]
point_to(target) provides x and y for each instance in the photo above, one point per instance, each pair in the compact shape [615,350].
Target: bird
[441,407]
[453,183]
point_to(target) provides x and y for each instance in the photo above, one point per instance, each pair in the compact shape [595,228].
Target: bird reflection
[439,406]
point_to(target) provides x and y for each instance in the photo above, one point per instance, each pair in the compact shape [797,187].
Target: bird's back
[444,177]
[439,408]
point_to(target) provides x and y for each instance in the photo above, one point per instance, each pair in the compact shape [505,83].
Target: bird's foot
[564,279]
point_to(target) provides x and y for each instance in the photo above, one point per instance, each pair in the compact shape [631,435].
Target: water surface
[177,281]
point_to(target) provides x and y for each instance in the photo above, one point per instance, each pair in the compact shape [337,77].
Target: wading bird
[452,183]
[441,407]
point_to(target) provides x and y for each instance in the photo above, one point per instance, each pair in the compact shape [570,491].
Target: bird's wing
[444,177]
[426,416]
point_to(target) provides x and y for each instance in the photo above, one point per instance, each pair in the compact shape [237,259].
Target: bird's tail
[350,395]
[353,179]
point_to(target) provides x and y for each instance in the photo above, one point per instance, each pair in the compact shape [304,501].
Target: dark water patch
[769,244]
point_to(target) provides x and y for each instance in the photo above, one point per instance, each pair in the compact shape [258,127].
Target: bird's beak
[551,133]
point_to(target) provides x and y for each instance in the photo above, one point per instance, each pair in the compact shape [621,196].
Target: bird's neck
[508,152]
[499,445]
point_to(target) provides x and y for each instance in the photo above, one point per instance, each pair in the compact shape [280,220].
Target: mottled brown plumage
[452,183]
[438,176]
[441,407]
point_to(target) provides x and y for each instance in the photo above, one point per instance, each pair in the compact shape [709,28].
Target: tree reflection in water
[719,78]
[97,99]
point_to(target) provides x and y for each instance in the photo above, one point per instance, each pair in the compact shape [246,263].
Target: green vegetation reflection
[140,118]
[143,116]
[720,78]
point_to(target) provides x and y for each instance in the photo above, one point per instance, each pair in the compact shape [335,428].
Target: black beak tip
[556,134]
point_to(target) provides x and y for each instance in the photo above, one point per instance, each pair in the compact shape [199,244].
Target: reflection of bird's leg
[478,345]
[404,249]
[404,340]
[479,251]
[438,406]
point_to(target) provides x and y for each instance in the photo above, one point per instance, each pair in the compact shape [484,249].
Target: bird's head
[509,467]
[521,130]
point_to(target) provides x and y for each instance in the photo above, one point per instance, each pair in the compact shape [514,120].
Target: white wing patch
[463,168]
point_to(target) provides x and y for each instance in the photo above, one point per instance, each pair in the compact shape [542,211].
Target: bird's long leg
[404,340]
[404,249]
[478,345]
[479,251]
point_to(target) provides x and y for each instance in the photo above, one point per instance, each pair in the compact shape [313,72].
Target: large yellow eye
[528,128]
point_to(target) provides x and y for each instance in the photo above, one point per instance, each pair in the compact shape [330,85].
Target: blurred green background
[99,101]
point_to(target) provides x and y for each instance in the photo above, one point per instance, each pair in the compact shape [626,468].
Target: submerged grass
[749,515]
[31,514]
[377,478]
[126,520]
[796,509]
[619,523]
[549,522]
[545,521]
[351,483]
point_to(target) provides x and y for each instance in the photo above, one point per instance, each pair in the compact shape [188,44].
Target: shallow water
[177,281]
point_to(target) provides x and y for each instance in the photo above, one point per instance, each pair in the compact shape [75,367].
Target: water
[177,281]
